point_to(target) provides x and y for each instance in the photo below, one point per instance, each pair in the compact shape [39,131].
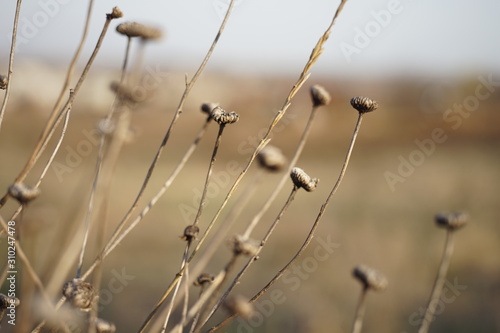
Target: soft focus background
[432,67]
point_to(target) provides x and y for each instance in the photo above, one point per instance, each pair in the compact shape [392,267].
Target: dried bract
[4,80]
[271,158]
[134,29]
[223,117]
[115,13]
[451,221]
[302,180]
[320,96]
[23,193]
[364,104]
[370,278]
[79,293]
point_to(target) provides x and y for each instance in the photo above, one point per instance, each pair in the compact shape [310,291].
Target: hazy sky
[262,36]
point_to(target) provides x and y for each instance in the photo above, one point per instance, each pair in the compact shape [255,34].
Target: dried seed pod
[240,305]
[6,302]
[451,221]
[223,117]
[271,158]
[23,193]
[79,293]
[364,104]
[134,29]
[4,80]
[203,279]
[190,233]
[302,180]
[208,107]
[370,278]
[103,326]
[115,13]
[320,96]
[125,93]
[245,246]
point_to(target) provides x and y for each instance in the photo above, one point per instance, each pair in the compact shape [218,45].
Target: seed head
[245,246]
[370,278]
[223,117]
[451,221]
[364,104]
[271,158]
[134,29]
[103,326]
[204,279]
[6,302]
[190,233]
[302,180]
[79,293]
[124,93]
[320,96]
[208,107]
[240,305]
[115,13]
[23,193]
[3,82]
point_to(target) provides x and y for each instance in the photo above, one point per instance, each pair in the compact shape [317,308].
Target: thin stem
[57,112]
[438,283]
[286,175]
[11,61]
[254,257]
[360,312]
[312,230]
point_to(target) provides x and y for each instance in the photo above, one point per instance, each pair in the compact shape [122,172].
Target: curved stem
[360,312]
[438,283]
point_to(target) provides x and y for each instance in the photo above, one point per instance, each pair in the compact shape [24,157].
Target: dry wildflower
[364,104]
[190,233]
[103,326]
[370,278]
[115,13]
[271,158]
[203,279]
[3,82]
[302,180]
[451,221]
[208,107]
[7,302]
[240,305]
[243,245]
[79,293]
[124,93]
[320,96]
[134,29]
[23,193]
[223,117]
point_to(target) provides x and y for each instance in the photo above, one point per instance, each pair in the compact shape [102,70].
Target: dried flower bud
[320,96]
[190,233]
[134,29]
[364,104]
[302,180]
[271,158]
[3,82]
[223,117]
[203,279]
[79,293]
[370,278]
[23,193]
[208,107]
[125,93]
[451,221]
[7,302]
[103,326]
[244,246]
[115,13]
[240,305]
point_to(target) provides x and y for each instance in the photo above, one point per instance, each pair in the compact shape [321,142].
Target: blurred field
[389,228]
